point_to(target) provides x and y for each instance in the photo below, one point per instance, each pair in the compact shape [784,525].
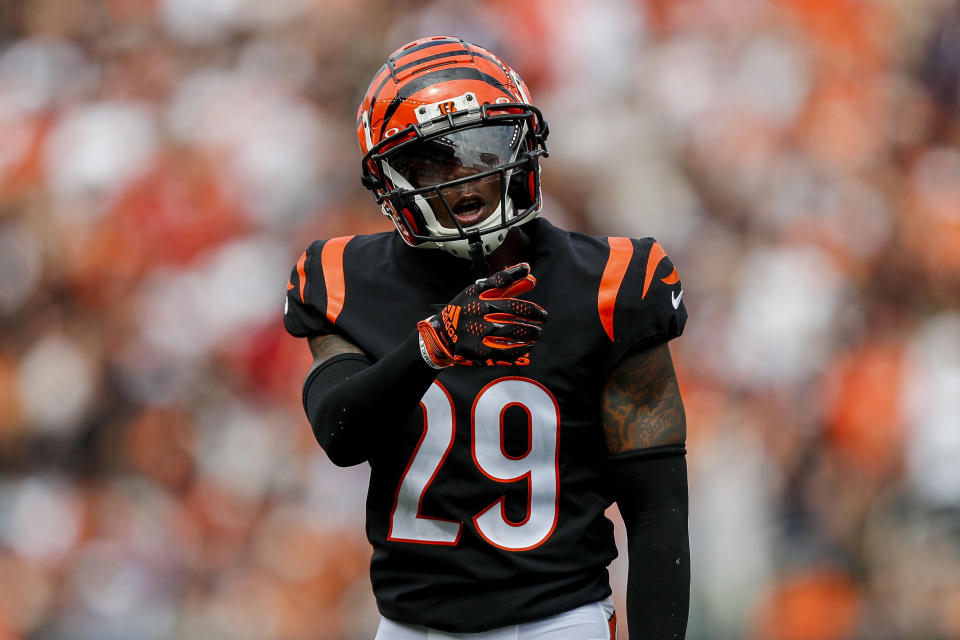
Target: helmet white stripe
[365,122]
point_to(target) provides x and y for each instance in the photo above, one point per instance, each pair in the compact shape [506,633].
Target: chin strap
[478,261]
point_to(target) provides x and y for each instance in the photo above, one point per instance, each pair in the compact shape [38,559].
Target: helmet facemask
[459,183]
[461,178]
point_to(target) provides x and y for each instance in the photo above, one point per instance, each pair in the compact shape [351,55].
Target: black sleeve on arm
[348,400]
[650,487]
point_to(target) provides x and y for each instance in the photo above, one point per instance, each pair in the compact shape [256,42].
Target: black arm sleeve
[348,400]
[650,487]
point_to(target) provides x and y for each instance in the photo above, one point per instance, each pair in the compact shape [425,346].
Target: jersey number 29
[537,467]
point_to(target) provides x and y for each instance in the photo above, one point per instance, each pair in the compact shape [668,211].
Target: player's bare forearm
[325,347]
[641,403]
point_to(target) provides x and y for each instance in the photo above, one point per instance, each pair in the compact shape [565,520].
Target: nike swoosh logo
[675,299]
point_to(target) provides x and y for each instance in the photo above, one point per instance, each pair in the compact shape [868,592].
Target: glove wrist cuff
[432,350]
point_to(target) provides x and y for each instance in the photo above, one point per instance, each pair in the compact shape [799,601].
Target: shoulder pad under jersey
[640,298]
[315,291]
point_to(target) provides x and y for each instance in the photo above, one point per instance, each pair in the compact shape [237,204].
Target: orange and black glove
[484,322]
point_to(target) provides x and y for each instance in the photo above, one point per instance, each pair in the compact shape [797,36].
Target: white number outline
[405,490]
[409,486]
[528,476]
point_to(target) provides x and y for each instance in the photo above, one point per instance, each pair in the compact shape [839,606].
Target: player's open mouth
[470,211]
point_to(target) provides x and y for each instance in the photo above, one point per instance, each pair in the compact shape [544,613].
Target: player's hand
[485,322]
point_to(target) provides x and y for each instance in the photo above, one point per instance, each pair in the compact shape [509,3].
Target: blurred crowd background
[164,162]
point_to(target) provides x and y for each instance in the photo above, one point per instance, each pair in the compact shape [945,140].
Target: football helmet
[451,146]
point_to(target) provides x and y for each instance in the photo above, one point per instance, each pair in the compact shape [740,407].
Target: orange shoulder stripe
[331,259]
[621,251]
[653,261]
[302,274]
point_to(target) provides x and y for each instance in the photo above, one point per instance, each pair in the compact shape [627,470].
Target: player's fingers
[514,332]
[500,318]
[517,288]
[524,309]
[498,353]
[500,345]
[509,282]
[508,276]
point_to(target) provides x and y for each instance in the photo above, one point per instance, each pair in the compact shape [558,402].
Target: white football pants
[595,621]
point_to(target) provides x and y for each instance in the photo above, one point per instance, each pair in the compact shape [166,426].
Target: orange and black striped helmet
[441,100]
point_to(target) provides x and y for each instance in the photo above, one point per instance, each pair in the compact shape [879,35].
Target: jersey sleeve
[641,296]
[315,291]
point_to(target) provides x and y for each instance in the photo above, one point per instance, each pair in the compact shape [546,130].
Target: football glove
[484,322]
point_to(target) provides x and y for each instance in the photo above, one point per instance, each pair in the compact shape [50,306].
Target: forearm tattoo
[641,403]
[325,347]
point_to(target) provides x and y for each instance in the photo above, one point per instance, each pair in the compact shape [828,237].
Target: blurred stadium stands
[164,162]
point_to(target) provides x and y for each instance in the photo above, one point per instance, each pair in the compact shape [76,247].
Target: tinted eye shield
[514,113]
[455,154]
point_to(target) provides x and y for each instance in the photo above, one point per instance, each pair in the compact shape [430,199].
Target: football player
[496,434]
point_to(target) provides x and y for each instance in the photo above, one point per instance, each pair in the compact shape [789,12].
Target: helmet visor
[459,154]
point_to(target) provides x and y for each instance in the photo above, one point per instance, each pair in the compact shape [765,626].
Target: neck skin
[509,253]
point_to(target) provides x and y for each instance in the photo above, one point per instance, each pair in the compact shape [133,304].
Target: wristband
[431,350]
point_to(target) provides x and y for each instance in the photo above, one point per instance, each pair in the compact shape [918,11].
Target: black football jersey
[486,506]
